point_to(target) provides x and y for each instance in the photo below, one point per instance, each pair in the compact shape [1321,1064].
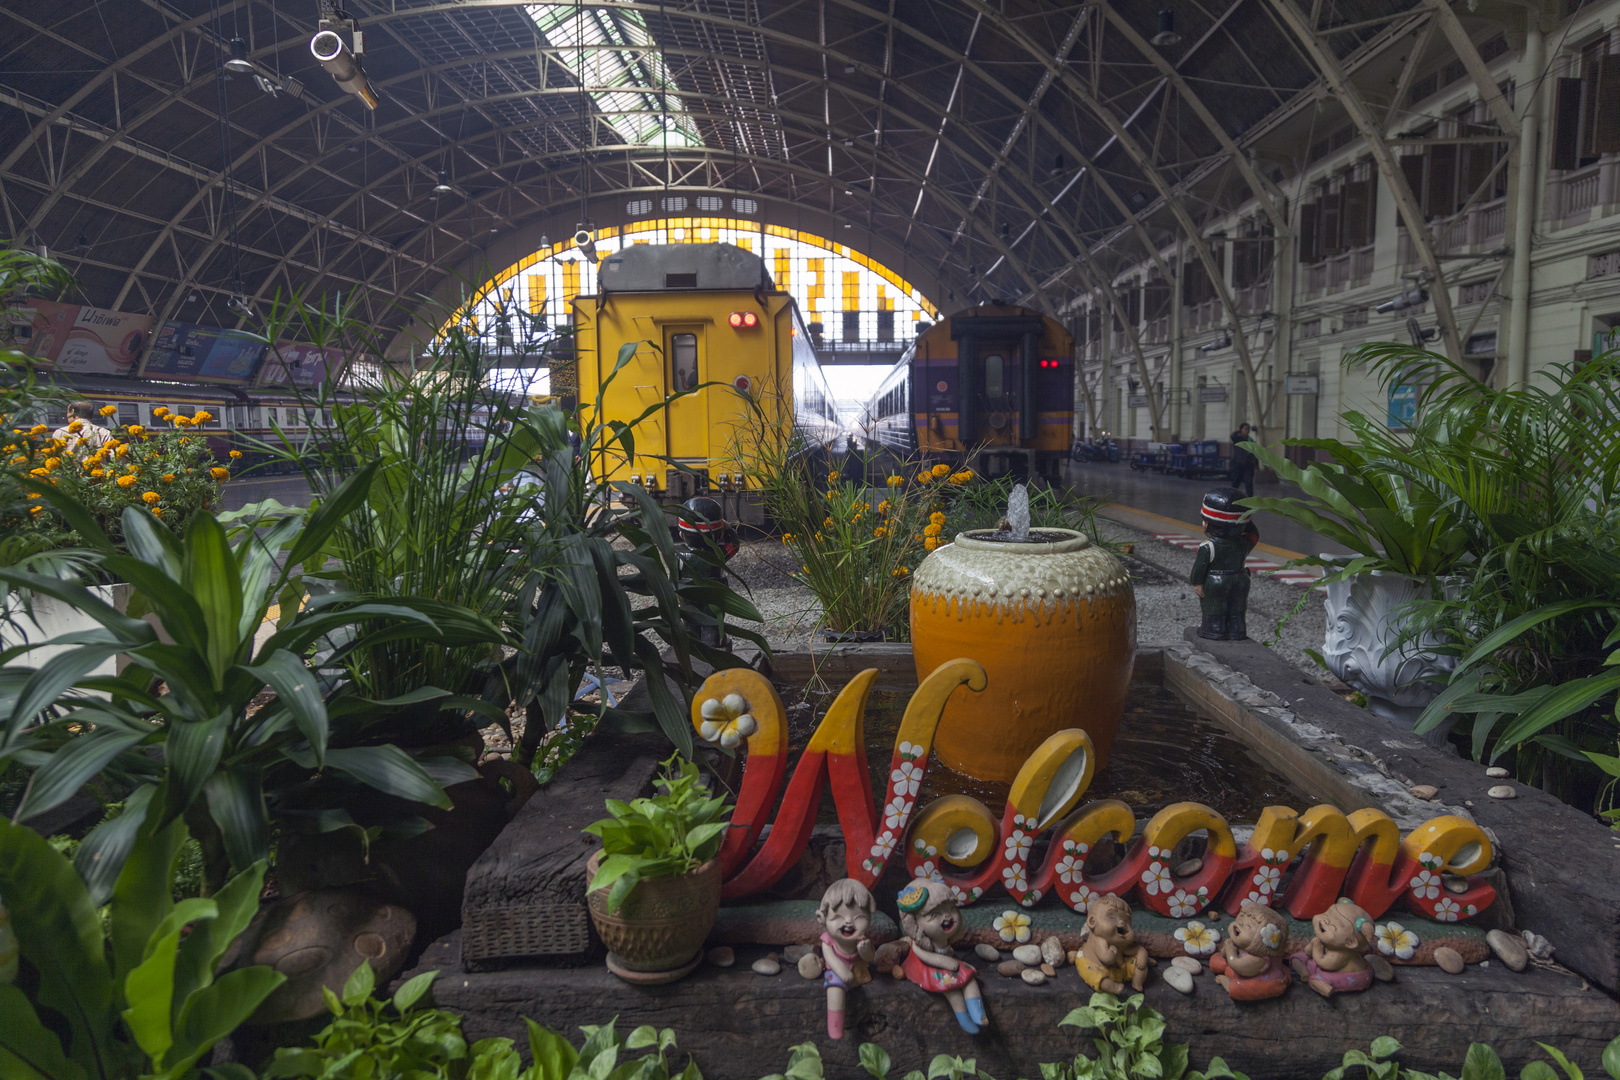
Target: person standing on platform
[82,433]
[1243,462]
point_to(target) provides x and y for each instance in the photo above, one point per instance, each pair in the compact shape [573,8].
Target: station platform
[1157,503]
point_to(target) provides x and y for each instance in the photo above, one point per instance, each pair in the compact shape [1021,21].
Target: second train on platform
[990,387]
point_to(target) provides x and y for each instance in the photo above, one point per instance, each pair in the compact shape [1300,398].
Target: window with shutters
[1196,286]
[1252,255]
[1586,109]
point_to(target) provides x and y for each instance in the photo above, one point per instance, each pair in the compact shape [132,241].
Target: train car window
[270,418]
[326,418]
[683,361]
[994,376]
[129,412]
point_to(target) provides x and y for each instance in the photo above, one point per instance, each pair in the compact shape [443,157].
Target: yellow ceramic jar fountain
[1053,621]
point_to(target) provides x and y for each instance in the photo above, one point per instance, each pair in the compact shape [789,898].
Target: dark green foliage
[670,834]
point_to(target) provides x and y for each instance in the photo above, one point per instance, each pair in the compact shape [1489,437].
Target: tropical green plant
[605,585]
[1130,1044]
[666,835]
[140,998]
[197,748]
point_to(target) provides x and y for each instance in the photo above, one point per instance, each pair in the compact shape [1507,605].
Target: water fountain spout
[1018,514]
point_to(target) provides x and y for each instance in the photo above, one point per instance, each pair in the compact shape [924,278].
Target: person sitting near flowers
[82,433]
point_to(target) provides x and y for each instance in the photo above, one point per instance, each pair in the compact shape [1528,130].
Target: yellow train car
[706,319]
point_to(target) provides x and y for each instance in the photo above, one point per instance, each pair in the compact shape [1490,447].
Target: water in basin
[1165,753]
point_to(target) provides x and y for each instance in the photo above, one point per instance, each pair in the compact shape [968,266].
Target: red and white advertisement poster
[86,340]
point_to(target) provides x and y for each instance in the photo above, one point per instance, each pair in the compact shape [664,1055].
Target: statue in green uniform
[1218,575]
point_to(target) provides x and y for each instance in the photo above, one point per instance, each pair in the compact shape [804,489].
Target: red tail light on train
[743,320]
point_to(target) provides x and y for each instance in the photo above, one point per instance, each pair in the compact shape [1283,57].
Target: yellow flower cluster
[899,571]
[787,538]
[219,474]
[896,481]
[108,410]
[962,477]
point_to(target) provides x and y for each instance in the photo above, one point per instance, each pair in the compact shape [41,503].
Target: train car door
[686,361]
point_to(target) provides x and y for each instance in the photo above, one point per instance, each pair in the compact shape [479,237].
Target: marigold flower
[184,439]
[880,532]
[941,469]
[52,462]
[236,453]
[936,518]
[930,543]
[787,538]
[38,429]
[19,459]
[126,481]
[899,571]
[98,473]
[895,481]
[150,497]
[883,507]
[157,511]
[827,524]
[33,495]
[36,510]
[160,412]
[177,420]
[833,478]
[76,425]
[108,410]
[37,472]
[123,449]
[924,477]
[201,416]
[136,429]
[932,530]
[168,478]
[219,474]
[961,477]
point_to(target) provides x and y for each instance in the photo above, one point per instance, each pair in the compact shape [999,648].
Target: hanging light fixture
[1167,29]
[239,57]
[443,186]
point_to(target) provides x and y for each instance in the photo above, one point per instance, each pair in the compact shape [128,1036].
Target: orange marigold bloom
[38,429]
[52,462]
[98,473]
[219,474]
[76,425]
[36,509]
[202,416]
[108,410]
[157,511]
[150,497]
[899,571]
[126,481]
[184,439]
[941,469]
[930,544]
[168,478]
[136,429]
[123,448]
[37,472]
[236,453]
[160,412]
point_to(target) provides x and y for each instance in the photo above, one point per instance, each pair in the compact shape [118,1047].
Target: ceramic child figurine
[1218,575]
[1109,957]
[1334,963]
[845,915]
[928,917]
[1250,964]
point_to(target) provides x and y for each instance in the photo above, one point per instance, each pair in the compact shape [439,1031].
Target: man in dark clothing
[1219,574]
[1243,462]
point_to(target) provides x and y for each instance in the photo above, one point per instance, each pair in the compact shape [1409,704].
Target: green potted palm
[655,884]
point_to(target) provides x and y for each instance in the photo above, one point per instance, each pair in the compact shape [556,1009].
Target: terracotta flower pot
[657,934]
[1053,623]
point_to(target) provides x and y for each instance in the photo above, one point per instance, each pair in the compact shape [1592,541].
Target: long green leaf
[236,803]
[132,631]
[1567,699]
[215,1011]
[104,849]
[215,580]
[345,500]
[298,691]
[59,933]
[73,766]
[391,771]
[142,897]
[29,1050]
[53,679]
[149,989]
[1490,643]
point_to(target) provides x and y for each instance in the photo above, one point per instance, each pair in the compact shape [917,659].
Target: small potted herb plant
[655,885]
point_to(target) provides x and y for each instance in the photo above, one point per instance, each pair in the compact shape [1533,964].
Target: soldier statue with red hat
[1219,575]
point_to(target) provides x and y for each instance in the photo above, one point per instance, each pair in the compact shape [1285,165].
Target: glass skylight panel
[631,87]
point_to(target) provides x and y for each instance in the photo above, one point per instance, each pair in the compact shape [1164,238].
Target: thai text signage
[1211,394]
[304,366]
[84,340]
[1302,384]
[204,353]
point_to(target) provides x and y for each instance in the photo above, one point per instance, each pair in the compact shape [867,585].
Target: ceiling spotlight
[293,87]
[240,305]
[1167,29]
[545,241]
[443,186]
[268,86]
[1006,230]
[239,57]
[343,64]
[1408,298]
[849,191]
[585,242]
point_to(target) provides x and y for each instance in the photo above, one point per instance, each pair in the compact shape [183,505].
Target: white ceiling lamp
[1167,29]
[238,60]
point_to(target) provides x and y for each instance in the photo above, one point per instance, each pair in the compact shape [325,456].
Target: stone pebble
[1187,964]
[1508,949]
[1010,969]
[1179,978]
[1028,955]
[794,953]
[1191,866]
[1033,976]
[1382,969]
[988,952]
[1496,772]
[1049,971]
[1454,884]
[810,966]
[722,956]
[1449,959]
[1539,947]
[1052,951]
[1424,791]
[898,972]
[1502,791]
[767,966]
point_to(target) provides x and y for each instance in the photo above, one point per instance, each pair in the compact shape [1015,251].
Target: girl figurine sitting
[1250,964]
[929,918]
[845,915]
[1335,962]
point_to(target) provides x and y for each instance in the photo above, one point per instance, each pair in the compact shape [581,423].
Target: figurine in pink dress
[845,915]
[1335,962]
[930,919]
[1250,964]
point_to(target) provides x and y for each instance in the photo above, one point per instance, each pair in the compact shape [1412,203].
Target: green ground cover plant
[667,835]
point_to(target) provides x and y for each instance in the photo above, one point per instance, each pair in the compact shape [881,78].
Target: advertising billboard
[81,339]
[205,354]
[291,364]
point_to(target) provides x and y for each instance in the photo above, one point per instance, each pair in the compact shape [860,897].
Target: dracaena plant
[175,728]
[137,996]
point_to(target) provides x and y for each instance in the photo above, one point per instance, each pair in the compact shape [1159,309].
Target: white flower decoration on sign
[1267,878]
[1396,940]
[1012,926]
[896,813]
[1068,869]
[1082,897]
[884,847]
[1426,886]
[1013,878]
[1018,844]
[1447,910]
[1197,939]
[1184,903]
[1156,878]
[907,778]
[727,721]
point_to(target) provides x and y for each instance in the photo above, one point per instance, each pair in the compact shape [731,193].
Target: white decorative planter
[1364,616]
[53,618]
